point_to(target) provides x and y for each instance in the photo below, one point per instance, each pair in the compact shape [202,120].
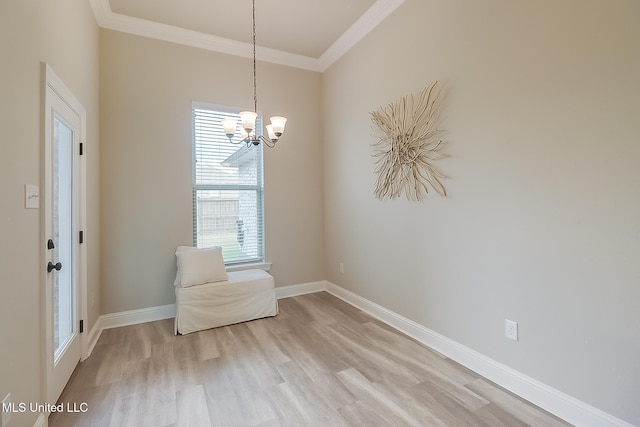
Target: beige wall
[64,35]
[147,87]
[542,225]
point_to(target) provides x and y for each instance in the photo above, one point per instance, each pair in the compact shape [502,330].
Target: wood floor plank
[192,407]
[161,368]
[114,358]
[233,395]
[269,345]
[323,312]
[336,304]
[296,342]
[446,405]
[364,353]
[332,357]
[493,416]
[135,377]
[415,356]
[320,398]
[360,414]
[255,362]
[100,400]
[289,408]
[292,311]
[320,362]
[207,348]
[514,405]
[377,397]
[148,409]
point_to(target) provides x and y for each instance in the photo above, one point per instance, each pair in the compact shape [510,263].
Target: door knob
[51,266]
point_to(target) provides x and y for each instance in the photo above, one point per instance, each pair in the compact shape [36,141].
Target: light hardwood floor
[320,362]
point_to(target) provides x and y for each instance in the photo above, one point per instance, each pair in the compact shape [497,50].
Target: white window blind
[227,189]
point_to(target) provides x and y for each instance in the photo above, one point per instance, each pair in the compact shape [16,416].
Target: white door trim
[52,82]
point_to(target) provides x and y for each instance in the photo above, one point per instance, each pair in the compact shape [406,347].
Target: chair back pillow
[197,266]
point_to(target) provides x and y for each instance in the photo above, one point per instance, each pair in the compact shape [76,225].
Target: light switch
[31,196]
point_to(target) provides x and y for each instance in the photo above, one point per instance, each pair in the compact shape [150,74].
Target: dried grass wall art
[408,144]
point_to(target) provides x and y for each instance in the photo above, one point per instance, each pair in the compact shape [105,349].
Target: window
[227,189]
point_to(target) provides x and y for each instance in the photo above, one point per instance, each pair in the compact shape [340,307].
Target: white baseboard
[133,317]
[150,314]
[126,318]
[92,338]
[556,402]
[301,289]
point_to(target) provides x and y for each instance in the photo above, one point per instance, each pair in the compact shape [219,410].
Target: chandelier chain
[255,86]
[254,136]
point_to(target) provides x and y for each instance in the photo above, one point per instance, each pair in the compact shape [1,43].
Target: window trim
[257,262]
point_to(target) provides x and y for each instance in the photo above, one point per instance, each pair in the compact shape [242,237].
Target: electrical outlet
[511,329]
[7,408]
[341,267]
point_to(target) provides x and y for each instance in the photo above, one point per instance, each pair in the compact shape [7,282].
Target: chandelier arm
[269,143]
[246,140]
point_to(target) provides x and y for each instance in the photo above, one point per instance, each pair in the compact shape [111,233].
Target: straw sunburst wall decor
[408,144]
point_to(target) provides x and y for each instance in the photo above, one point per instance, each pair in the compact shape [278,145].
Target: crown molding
[101,10]
[363,26]
[106,18]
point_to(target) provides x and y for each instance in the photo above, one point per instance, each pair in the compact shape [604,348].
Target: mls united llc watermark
[46,408]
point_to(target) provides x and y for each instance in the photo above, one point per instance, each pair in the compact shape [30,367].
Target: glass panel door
[64,257]
[63,280]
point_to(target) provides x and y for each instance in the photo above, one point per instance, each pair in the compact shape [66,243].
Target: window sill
[266,266]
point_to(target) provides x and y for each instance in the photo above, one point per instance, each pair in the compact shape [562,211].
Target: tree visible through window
[227,189]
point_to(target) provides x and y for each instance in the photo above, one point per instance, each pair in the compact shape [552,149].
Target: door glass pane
[63,295]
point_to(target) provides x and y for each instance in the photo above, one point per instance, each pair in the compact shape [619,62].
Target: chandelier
[248,118]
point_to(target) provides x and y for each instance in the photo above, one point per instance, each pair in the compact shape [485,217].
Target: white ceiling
[309,34]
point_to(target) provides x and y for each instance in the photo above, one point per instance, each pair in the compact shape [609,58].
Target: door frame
[52,82]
